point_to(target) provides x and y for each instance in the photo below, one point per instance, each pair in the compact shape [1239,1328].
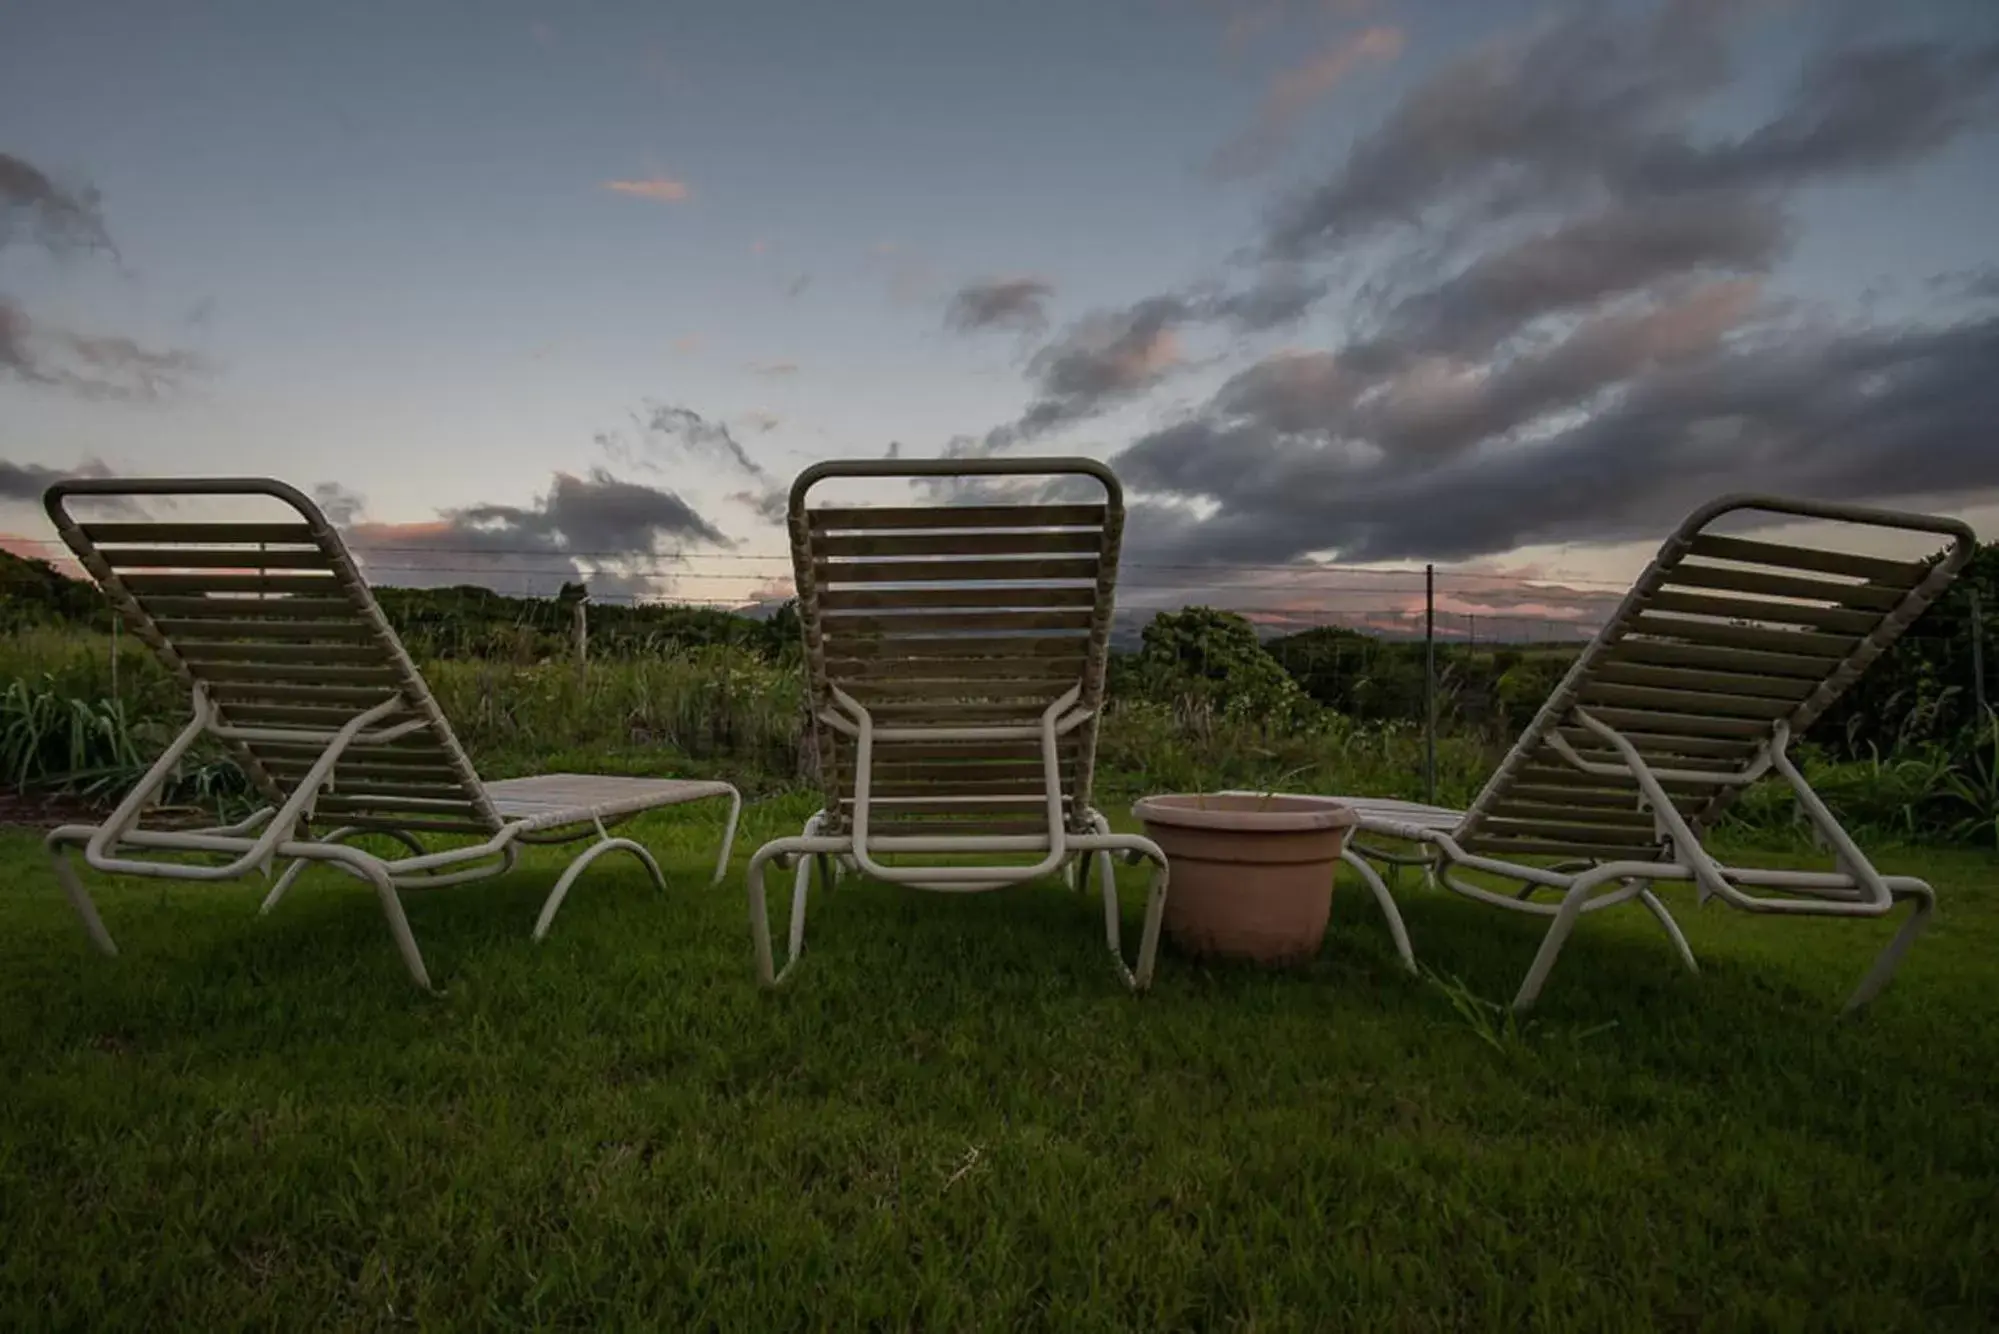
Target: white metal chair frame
[1854,887]
[1061,846]
[281,829]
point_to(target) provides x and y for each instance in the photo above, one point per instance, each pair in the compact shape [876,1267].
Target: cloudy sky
[1374,282]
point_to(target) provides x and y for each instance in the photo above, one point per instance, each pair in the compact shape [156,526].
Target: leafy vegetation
[1202,703]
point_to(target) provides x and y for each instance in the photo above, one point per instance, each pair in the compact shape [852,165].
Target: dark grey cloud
[340,505]
[35,206]
[1599,102]
[1564,332]
[1281,295]
[1109,357]
[25,482]
[1550,112]
[17,359]
[1864,108]
[34,209]
[103,367]
[1000,303]
[669,434]
[1620,248]
[615,533]
[1827,414]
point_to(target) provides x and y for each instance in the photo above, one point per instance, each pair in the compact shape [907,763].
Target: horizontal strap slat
[1041,597]
[968,670]
[416,748]
[955,715]
[1661,723]
[1835,619]
[960,544]
[356,775]
[1663,750]
[957,571]
[1739,752]
[240,608]
[889,753]
[215,558]
[1810,670]
[1559,793]
[888,788]
[278,656]
[149,532]
[1893,573]
[175,628]
[942,804]
[1863,597]
[1805,643]
[1785,688]
[852,648]
[290,582]
[874,629]
[415,823]
[356,787]
[1551,775]
[235,695]
[1688,701]
[1035,694]
[905,827]
[1632,826]
[295,673]
[335,801]
[833,519]
[1002,771]
[253,713]
[1502,848]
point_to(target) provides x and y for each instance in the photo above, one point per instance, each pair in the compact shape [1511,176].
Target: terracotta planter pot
[1252,876]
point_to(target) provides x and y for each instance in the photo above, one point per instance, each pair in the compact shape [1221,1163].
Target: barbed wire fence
[1459,616]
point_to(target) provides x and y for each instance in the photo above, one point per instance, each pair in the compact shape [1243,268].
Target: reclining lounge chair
[1724,650]
[293,667]
[955,657]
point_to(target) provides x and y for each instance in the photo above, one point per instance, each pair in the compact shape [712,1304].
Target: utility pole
[1430,684]
[1977,657]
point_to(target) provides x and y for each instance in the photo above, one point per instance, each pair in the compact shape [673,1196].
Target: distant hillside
[34,592]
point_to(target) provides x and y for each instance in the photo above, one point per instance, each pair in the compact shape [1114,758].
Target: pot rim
[1297,814]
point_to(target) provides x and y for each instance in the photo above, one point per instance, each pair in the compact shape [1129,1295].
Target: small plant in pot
[1252,873]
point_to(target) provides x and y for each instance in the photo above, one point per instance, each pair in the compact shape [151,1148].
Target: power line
[665,562]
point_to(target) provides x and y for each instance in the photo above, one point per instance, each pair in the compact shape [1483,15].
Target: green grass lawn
[954,1118]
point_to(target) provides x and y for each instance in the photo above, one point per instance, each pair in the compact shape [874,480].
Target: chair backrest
[275,622]
[1721,639]
[944,616]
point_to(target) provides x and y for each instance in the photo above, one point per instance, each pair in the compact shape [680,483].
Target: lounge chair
[295,670]
[955,657]
[1724,650]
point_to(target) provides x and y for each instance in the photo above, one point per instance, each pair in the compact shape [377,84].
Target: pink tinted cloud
[663,189]
[1293,92]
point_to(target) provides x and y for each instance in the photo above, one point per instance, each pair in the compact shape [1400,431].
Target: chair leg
[1386,902]
[801,888]
[728,836]
[79,899]
[767,974]
[292,872]
[1140,977]
[1551,944]
[1890,958]
[1658,910]
[575,868]
[399,926]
